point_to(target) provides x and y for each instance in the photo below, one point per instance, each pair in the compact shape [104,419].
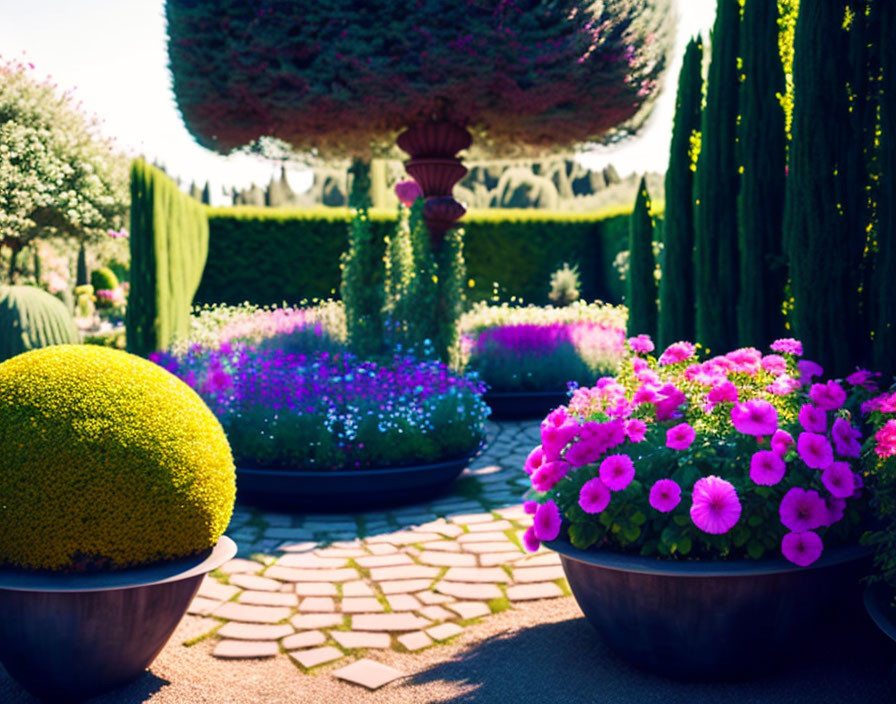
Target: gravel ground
[545,651]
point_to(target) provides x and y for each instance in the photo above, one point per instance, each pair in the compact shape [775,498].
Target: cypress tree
[884,283]
[641,297]
[207,194]
[716,269]
[676,320]
[762,143]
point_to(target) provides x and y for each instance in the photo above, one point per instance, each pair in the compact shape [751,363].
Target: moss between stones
[107,461]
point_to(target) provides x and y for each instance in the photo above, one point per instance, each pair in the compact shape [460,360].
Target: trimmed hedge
[270,257]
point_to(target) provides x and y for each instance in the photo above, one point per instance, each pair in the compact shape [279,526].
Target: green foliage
[788,10]
[641,299]
[169,246]
[103,279]
[269,257]
[81,278]
[91,428]
[676,321]
[762,144]
[881,480]
[31,318]
[715,253]
[58,177]
[362,276]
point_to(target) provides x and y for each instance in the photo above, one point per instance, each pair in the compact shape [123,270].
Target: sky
[113,55]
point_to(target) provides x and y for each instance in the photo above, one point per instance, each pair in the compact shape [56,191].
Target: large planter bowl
[517,405]
[70,637]
[709,620]
[320,491]
[877,600]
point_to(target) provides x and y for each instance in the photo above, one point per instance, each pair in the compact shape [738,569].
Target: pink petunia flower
[530,542]
[677,352]
[680,437]
[641,343]
[745,360]
[846,438]
[783,385]
[547,476]
[530,507]
[829,397]
[809,369]
[863,378]
[726,392]
[802,510]
[408,192]
[839,480]
[583,452]
[636,429]
[556,432]
[547,521]
[715,507]
[813,419]
[534,461]
[782,441]
[767,468]
[756,417]
[788,345]
[669,400]
[665,495]
[617,471]
[774,364]
[886,440]
[814,450]
[594,496]
[802,548]
[835,508]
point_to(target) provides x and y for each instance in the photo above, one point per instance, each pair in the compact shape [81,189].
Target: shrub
[109,462]
[103,279]
[31,318]
[739,456]
[564,285]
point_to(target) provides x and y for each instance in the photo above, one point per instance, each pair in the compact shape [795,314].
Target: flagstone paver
[405,578]
[368,673]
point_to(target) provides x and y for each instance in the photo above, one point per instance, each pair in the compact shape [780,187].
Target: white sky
[113,53]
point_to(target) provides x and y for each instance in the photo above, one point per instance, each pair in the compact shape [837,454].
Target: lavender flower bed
[325,410]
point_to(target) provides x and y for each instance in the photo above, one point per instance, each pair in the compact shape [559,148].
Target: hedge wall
[270,256]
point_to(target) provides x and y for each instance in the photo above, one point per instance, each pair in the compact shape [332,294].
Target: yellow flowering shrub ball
[107,461]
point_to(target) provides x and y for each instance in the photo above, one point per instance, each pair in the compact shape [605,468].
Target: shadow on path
[139,690]
[568,661]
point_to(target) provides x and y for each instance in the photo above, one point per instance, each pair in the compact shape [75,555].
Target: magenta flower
[808,369]
[665,495]
[530,507]
[636,429]
[839,480]
[677,352]
[864,378]
[725,392]
[530,542]
[774,364]
[835,508]
[408,192]
[584,452]
[814,450]
[534,461]
[669,399]
[767,468]
[756,417]
[802,510]
[556,432]
[680,437]
[715,507]
[594,496]
[641,343]
[846,438]
[886,440]
[788,345]
[783,385]
[547,521]
[813,419]
[547,476]
[802,548]
[782,441]
[617,471]
[828,396]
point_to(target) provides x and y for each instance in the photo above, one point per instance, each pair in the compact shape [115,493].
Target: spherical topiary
[31,318]
[108,461]
[103,279]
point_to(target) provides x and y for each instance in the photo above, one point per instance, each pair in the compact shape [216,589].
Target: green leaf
[684,545]
[755,521]
[583,535]
[681,520]
[638,518]
[755,549]
[631,533]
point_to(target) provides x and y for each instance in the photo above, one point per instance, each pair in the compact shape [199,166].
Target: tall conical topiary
[762,144]
[676,320]
[641,298]
[825,221]
[883,291]
[716,271]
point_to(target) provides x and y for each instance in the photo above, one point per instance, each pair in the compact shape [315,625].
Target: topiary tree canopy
[332,77]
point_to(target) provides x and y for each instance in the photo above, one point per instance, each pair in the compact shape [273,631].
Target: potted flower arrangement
[116,485]
[528,356]
[880,595]
[706,513]
[312,425]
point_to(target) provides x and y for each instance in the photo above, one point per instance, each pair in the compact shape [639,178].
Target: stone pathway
[323,588]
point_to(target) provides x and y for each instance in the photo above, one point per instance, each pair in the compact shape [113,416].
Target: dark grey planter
[342,491]
[70,637]
[710,620]
[524,404]
[878,598]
